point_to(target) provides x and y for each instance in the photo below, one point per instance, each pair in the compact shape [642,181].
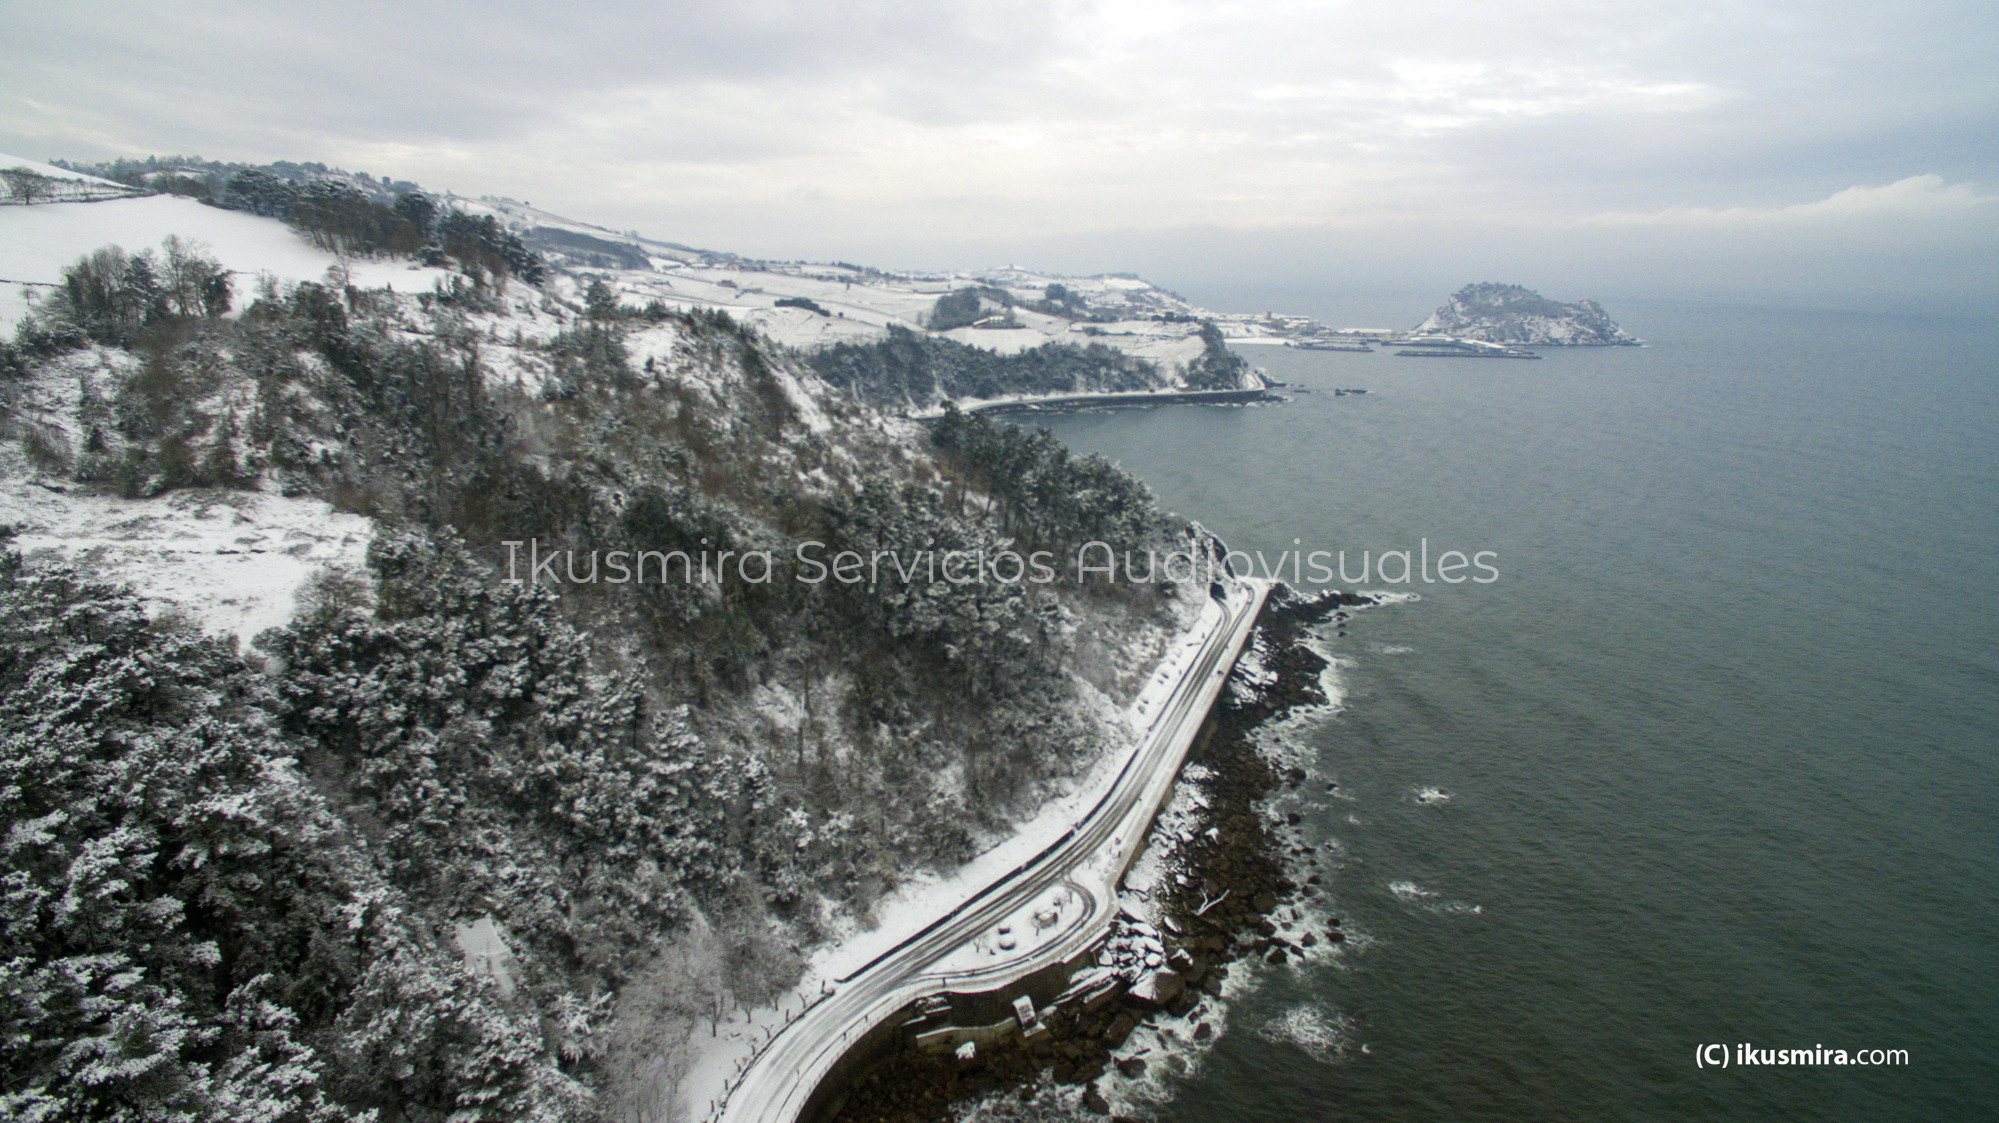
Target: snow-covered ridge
[815,304]
[37,242]
[800,304]
[27,182]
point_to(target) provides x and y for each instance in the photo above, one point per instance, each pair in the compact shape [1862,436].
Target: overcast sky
[1826,152]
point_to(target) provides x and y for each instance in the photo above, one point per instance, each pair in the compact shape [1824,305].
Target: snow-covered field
[36,242]
[229,561]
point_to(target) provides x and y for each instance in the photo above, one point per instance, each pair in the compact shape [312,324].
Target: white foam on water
[1431,901]
[1410,891]
[1171,1055]
[1430,797]
[1332,679]
[1288,742]
[1324,1033]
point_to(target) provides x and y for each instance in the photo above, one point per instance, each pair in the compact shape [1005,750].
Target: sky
[1822,154]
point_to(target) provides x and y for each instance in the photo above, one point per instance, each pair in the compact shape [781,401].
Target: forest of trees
[968,305]
[235,876]
[341,218]
[352,214]
[912,370]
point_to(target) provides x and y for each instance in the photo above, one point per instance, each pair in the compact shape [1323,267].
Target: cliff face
[1499,313]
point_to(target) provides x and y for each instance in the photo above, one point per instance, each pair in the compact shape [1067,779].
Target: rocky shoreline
[1219,906]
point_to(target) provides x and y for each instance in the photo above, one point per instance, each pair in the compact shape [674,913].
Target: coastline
[1167,960]
[1064,403]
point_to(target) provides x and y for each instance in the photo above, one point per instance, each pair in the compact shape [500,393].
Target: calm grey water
[1721,745]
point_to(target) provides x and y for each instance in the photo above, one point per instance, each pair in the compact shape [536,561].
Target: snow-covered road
[983,944]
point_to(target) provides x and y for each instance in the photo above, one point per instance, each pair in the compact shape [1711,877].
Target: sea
[1712,762]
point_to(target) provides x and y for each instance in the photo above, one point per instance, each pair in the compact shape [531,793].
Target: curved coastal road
[1088,860]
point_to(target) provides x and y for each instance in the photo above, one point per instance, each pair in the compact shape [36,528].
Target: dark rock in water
[1307,940]
[1184,1005]
[1131,1068]
[1265,901]
[1332,922]
[1266,929]
[1203,1032]
[1276,955]
[1095,1101]
[1336,936]
[1294,818]
[1120,1029]
[1212,986]
[1089,1071]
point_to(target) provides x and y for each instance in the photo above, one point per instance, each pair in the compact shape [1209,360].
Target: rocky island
[1512,314]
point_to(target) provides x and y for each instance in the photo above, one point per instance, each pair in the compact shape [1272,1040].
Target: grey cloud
[1431,141]
[463,72]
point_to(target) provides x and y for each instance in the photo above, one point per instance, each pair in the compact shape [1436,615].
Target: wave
[1429,900]
[1325,1034]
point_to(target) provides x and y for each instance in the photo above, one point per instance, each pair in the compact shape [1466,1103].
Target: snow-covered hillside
[37,241]
[654,799]
[234,561]
[850,303]
[230,560]
[50,171]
